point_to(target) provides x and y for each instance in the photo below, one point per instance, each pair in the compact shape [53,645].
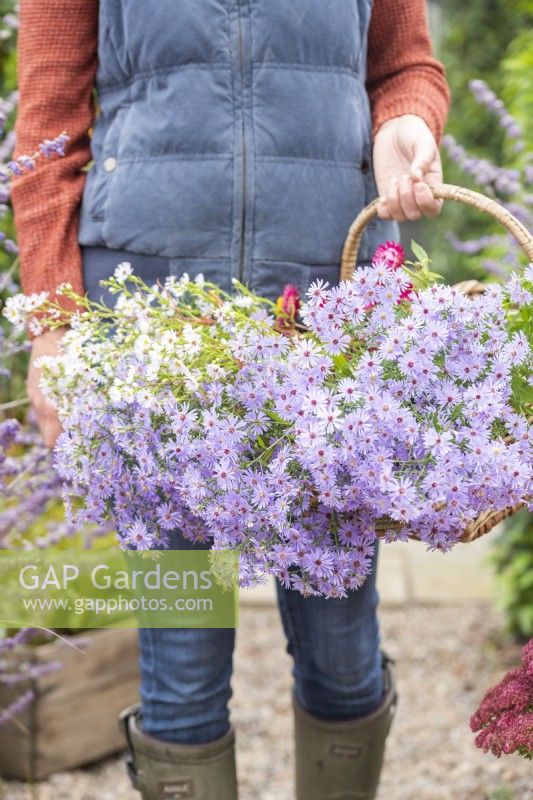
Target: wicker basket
[488,519]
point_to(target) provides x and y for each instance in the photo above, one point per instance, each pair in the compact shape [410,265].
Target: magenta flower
[288,306]
[291,301]
[392,253]
[504,720]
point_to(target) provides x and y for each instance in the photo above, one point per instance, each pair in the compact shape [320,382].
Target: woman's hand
[44,345]
[406,163]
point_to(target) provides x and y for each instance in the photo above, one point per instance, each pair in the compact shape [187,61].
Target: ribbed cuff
[421,107]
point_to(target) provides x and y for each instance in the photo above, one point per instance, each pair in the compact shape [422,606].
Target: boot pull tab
[124,724]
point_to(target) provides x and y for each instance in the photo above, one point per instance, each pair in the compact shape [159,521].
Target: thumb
[423,158]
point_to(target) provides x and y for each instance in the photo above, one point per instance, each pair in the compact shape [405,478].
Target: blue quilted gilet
[233,137]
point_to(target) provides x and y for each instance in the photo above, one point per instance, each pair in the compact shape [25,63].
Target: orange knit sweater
[56,68]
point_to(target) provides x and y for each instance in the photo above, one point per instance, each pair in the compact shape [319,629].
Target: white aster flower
[35,326]
[18,308]
[123,271]
[143,344]
[168,340]
[121,392]
[216,372]
[243,301]
[192,338]
[146,399]
[153,367]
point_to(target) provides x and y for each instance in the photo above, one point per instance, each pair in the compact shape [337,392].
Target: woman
[234,138]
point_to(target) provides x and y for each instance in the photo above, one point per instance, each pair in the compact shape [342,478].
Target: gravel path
[447,656]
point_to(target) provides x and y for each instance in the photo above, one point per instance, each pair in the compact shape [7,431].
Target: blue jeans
[334,644]
[186,673]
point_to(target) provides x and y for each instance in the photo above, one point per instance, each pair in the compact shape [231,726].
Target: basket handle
[443,191]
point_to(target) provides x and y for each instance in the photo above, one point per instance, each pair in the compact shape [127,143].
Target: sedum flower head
[504,720]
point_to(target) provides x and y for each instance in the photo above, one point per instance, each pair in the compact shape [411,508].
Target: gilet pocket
[329,273]
[106,160]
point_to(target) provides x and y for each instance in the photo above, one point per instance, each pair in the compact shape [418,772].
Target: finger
[45,413]
[383,209]
[42,406]
[32,387]
[427,203]
[423,158]
[41,423]
[408,199]
[32,393]
[50,430]
[50,435]
[393,201]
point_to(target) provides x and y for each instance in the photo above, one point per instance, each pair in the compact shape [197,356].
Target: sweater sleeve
[403,77]
[57,57]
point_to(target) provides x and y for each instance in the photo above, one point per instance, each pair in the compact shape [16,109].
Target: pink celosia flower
[288,306]
[504,720]
[291,301]
[392,253]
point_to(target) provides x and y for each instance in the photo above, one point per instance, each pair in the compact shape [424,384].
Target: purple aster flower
[138,536]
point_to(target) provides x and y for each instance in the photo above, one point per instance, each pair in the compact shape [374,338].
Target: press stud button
[110,164]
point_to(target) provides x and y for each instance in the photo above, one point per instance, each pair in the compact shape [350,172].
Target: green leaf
[341,365]
[419,253]
[276,418]
[522,390]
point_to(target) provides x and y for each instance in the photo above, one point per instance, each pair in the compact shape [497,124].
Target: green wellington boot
[343,760]
[162,771]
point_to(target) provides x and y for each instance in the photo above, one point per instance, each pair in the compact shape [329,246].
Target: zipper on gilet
[244,153]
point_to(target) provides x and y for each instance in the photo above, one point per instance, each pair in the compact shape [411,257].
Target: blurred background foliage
[512,557]
[491,40]
[8,84]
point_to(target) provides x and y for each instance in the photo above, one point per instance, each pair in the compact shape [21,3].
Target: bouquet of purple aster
[384,407]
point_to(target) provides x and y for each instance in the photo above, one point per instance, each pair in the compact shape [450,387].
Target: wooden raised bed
[73,719]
